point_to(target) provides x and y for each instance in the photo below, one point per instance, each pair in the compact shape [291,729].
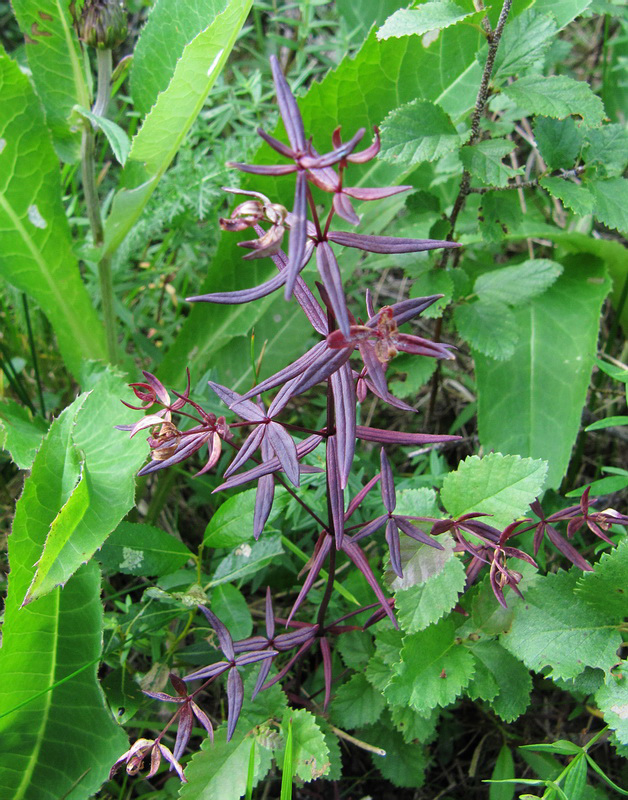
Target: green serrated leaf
[610,202]
[525,40]
[404,763]
[511,679]
[556,96]
[413,726]
[355,649]
[484,161]
[612,700]
[516,285]
[420,562]
[489,327]
[310,754]
[419,131]
[503,486]
[555,628]
[575,196]
[427,17]
[416,503]
[117,138]
[425,603]
[412,374]
[433,671]
[357,703]
[35,242]
[559,141]
[532,404]
[22,432]
[229,605]
[42,757]
[607,149]
[500,213]
[605,588]
[433,282]
[55,60]
[145,550]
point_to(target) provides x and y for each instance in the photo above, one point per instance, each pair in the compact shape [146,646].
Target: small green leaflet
[412,725]
[612,700]
[518,284]
[427,17]
[524,42]
[489,327]
[559,141]
[310,754]
[556,96]
[117,138]
[229,605]
[434,281]
[425,603]
[357,703]
[607,149]
[501,679]
[484,161]
[610,202]
[20,432]
[554,627]
[419,131]
[232,523]
[247,559]
[503,486]
[404,763]
[606,588]
[575,196]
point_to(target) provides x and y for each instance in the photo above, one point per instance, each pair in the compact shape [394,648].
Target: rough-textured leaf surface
[435,281]
[554,627]
[310,754]
[136,549]
[607,149]
[511,679]
[419,131]
[172,116]
[404,763]
[171,25]
[419,561]
[427,17]
[556,96]
[531,405]
[610,202]
[575,196]
[489,327]
[49,742]
[524,42]
[413,372]
[559,141]
[606,588]
[20,432]
[434,669]
[503,486]
[612,700]
[516,285]
[425,603]
[105,492]
[484,161]
[357,703]
[35,244]
[412,725]
[54,57]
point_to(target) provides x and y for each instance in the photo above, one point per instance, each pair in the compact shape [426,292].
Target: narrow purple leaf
[261,677]
[285,450]
[343,389]
[287,641]
[359,559]
[392,538]
[327,670]
[270,616]
[158,387]
[293,370]
[202,717]
[304,296]
[263,169]
[326,179]
[355,502]
[301,651]
[288,107]
[406,310]
[330,273]
[342,207]
[178,684]
[249,446]
[253,658]
[369,528]
[334,156]
[315,568]
[165,698]
[263,503]
[320,369]
[336,494]
[209,672]
[416,533]
[298,234]
[184,730]
[242,295]
[280,147]
[364,193]
[250,644]
[386,244]
[185,448]
[415,345]
[568,550]
[388,485]
[244,408]
[224,637]
[401,437]
[235,696]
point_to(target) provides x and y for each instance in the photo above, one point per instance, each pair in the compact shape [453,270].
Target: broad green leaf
[503,486]
[575,196]
[610,202]
[310,754]
[104,494]
[532,404]
[229,605]
[607,149]
[404,763]
[420,562]
[605,589]
[427,17]
[355,649]
[412,373]
[612,700]
[247,559]
[426,602]
[357,703]
[554,628]
[503,770]
[56,62]
[62,735]
[419,131]
[516,285]
[145,550]
[559,141]
[500,213]
[484,161]
[511,679]
[524,42]
[117,138]
[35,243]
[556,96]
[173,114]
[489,327]
[417,503]
[436,281]
[170,27]
[20,433]
[412,725]
[369,12]
[433,671]
[232,523]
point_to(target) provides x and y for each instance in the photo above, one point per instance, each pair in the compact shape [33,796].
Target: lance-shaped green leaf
[167,124]
[554,627]
[503,486]
[56,732]
[54,57]
[20,432]
[35,243]
[104,493]
[419,131]
[427,17]
[117,138]
[556,96]
[532,404]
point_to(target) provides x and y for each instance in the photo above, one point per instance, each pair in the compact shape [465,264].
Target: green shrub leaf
[145,550]
[556,96]
[489,327]
[419,131]
[484,161]
[605,588]
[357,703]
[516,285]
[427,17]
[20,433]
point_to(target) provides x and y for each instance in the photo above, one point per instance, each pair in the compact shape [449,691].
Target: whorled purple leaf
[386,244]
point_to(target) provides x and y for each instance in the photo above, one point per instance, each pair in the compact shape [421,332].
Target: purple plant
[276,452]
